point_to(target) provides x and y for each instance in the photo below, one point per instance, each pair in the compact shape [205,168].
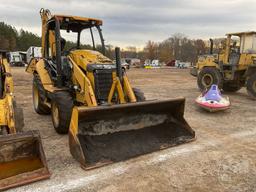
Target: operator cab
[71,31]
[65,34]
[240,43]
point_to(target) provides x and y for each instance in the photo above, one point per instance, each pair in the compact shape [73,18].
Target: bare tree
[129,52]
[151,50]
[166,51]
[200,47]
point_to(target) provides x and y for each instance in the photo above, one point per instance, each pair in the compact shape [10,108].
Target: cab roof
[74,23]
[78,18]
[242,33]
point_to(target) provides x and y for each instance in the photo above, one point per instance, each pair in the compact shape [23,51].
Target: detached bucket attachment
[107,134]
[22,159]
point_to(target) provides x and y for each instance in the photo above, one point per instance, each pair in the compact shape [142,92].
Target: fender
[38,67]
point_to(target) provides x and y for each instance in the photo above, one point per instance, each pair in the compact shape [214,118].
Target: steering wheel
[72,48]
[69,50]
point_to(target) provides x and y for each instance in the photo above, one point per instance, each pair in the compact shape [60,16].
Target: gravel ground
[223,158]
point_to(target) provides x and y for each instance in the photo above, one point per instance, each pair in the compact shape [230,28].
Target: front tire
[139,95]
[61,111]
[39,97]
[231,86]
[251,86]
[209,76]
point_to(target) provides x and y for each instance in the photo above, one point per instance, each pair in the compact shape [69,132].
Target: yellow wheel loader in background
[22,158]
[234,66]
[90,96]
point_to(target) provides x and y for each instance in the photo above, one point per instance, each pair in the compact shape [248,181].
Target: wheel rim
[55,115]
[207,80]
[35,96]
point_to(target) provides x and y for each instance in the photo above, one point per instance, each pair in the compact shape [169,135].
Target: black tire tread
[231,87]
[217,77]
[42,108]
[139,95]
[65,104]
[249,86]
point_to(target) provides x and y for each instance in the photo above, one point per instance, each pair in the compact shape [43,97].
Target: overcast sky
[134,22]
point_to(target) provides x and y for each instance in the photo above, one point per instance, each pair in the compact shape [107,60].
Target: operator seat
[234,56]
[66,67]
[62,45]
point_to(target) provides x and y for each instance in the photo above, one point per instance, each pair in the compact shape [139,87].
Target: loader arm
[122,91]
[116,85]
[85,94]
[128,89]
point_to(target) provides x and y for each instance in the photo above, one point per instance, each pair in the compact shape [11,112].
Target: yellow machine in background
[90,96]
[234,66]
[22,158]
[7,119]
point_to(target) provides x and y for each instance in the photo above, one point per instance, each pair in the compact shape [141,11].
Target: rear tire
[251,86]
[209,76]
[39,97]
[231,86]
[139,95]
[61,111]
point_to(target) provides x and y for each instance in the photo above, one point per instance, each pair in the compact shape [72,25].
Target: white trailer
[151,64]
[182,65]
[15,59]
[33,52]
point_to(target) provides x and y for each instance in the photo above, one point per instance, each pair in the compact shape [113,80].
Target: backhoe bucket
[22,159]
[106,134]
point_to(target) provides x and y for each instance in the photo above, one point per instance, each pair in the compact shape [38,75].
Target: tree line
[13,40]
[176,47]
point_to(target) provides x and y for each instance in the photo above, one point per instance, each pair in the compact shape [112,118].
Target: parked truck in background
[33,52]
[15,59]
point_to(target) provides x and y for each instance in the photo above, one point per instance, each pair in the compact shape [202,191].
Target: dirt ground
[223,158]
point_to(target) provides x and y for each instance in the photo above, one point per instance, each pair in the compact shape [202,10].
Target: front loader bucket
[106,134]
[22,159]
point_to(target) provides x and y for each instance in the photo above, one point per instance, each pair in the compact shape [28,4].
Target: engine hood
[83,57]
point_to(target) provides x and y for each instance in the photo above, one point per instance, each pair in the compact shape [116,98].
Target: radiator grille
[103,81]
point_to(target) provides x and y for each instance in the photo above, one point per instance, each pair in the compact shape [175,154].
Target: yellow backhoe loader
[22,158]
[90,96]
[233,67]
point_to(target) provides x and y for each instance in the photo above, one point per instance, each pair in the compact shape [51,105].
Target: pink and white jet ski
[212,100]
